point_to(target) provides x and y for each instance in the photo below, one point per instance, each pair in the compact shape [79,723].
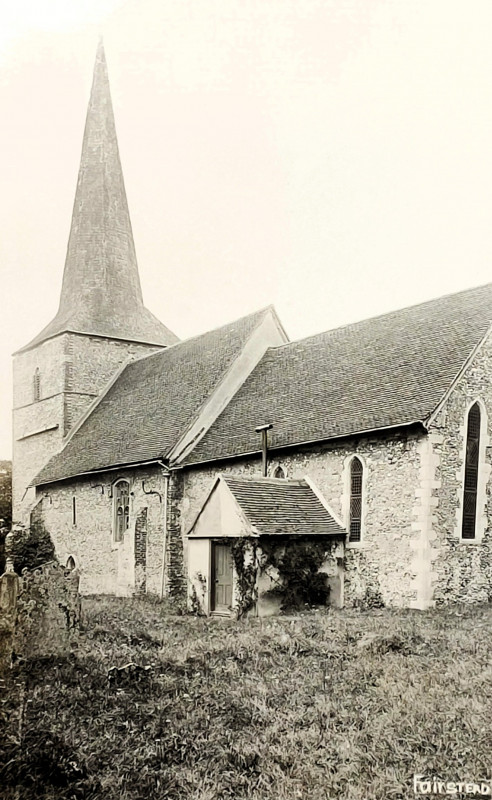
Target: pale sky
[333,157]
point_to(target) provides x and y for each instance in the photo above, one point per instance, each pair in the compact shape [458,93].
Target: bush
[298,562]
[32,547]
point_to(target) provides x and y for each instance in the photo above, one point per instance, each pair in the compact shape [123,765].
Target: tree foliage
[32,547]
[6,492]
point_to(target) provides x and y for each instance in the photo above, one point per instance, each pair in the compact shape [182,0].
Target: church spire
[101,293]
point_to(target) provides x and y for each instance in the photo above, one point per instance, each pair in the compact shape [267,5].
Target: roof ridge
[171,347]
[380,316]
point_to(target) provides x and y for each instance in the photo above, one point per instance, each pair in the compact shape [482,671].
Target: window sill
[356,545]
[470,542]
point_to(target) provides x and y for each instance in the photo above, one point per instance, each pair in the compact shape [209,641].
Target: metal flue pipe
[263,429]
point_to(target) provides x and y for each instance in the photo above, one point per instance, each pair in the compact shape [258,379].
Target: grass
[325,705]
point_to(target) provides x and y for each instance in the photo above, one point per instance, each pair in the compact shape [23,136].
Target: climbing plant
[244,556]
[297,562]
[196,602]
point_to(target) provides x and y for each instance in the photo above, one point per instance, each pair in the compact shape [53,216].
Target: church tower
[101,320]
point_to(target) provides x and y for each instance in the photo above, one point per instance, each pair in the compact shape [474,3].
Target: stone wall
[388,560]
[106,566]
[411,553]
[176,571]
[74,369]
[37,425]
[461,570]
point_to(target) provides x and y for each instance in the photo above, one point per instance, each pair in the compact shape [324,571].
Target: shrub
[297,562]
[32,547]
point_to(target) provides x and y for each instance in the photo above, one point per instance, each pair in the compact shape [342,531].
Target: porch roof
[276,506]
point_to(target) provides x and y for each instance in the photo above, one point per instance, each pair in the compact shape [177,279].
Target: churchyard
[323,704]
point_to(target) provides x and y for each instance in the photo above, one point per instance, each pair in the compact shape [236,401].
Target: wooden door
[221,578]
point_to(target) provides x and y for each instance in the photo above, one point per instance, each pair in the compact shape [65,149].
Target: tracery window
[468,525]
[355,521]
[121,509]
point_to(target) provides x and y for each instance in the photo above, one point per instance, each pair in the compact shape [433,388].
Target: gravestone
[39,612]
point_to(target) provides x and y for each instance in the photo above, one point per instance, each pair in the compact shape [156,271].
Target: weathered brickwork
[141,552]
[386,561]
[106,566]
[73,370]
[175,550]
[461,571]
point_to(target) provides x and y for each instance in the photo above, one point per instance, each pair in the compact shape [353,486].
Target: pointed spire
[101,291]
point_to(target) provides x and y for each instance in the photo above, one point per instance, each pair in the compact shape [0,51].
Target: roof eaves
[39,339]
[98,470]
[279,448]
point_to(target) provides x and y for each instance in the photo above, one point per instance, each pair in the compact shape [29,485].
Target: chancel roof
[387,371]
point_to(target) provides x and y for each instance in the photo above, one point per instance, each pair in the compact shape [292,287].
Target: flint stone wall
[461,571]
[388,561]
[74,369]
[106,566]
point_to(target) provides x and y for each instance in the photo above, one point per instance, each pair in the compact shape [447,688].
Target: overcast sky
[333,157]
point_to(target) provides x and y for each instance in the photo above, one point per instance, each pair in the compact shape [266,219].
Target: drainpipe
[263,429]
[164,528]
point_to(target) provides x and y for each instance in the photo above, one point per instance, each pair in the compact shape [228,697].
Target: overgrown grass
[326,705]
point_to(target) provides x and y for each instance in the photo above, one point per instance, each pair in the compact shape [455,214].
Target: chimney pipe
[263,429]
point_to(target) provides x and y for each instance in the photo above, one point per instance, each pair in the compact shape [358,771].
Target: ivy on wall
[297,561]
[244,556]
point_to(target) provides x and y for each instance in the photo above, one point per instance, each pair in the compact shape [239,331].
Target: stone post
[9,592]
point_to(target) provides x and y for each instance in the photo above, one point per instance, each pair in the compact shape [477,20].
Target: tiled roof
[152,403]
[275,506]
[386,371]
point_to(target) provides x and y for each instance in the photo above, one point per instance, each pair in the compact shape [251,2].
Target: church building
[196,467]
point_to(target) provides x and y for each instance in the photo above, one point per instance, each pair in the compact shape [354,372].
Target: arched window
[355,521]
[121,509]
[468,526]
[36,388]
[71,563]
[279,472]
